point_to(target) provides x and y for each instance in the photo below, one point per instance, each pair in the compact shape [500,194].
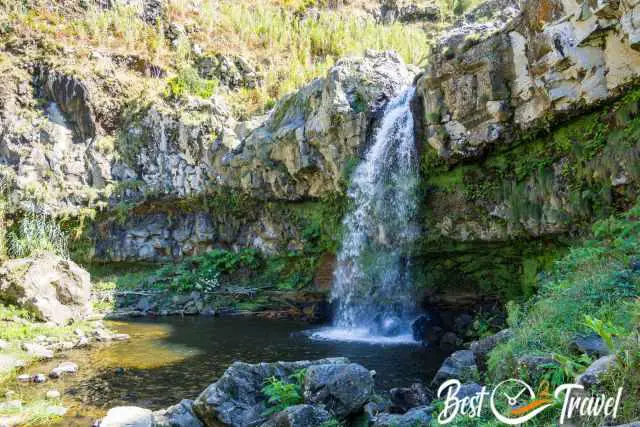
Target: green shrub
[203,272]
[188,82]
[280,394]
[37,234]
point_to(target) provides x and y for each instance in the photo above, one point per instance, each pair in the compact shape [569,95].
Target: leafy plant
[280,394]
[606,330]
[566,370]
[38,234]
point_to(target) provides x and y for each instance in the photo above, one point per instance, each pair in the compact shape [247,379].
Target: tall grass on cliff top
[290,46]
[290,42]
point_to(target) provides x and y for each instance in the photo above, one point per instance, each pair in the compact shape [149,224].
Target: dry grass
[288,44]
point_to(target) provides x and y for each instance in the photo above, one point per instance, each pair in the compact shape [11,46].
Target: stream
[169,359]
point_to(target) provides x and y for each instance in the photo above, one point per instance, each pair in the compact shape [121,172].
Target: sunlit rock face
[514,66]
[301,147]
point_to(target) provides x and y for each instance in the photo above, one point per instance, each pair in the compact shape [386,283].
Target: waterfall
[371,286]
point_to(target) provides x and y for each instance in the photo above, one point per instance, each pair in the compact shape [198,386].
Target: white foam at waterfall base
[372,287]
[359,335]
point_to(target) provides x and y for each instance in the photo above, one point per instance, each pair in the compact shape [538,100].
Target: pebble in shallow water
[39,378]
[24,378]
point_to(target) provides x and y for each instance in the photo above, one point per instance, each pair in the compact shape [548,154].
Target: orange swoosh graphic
[530,407]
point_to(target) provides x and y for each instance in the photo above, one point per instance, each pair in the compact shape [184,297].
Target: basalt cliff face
[525,116]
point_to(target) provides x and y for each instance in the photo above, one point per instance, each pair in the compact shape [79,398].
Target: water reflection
[171,359]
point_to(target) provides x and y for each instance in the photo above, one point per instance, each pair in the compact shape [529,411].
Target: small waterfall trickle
[372,287]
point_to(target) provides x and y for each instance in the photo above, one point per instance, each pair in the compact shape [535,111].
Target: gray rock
[39,378]
[180,415]
[482,67]
[236,398]
[3,345]
[343,388]
[23,378]
[592,375]
[63,369]
[409,11]
[468,390]
[37,351]
[128,416]
[299,416]
[405,398]
[460,365]
[591,345]
[449,341]
[51,288]
[483,347]
[417,417]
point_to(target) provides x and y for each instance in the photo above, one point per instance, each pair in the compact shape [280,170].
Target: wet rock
[180,415]
[37,351]
[419,327]
[63,369]
[460,365]
[52,395]
[48,286]
[592,375]
[39,378]
[483,347]
[449,341]
[128,416]
[462,323]
[405,398]
[235,399]
[433,335]
[387,327]
[415,417]
[299,416]
[342,387]
[120,337]
[591,345]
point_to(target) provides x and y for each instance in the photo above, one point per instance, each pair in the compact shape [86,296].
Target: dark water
[172,358]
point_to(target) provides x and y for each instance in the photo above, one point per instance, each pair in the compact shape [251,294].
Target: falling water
[372,287]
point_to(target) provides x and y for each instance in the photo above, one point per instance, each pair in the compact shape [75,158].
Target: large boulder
[405,398]
[420,417]
[460,365]
[180,415]
[299,416]
[343,388]
[592,376]
[236,398]
[128,416]
[49,287]
[513,66]
[483,347]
